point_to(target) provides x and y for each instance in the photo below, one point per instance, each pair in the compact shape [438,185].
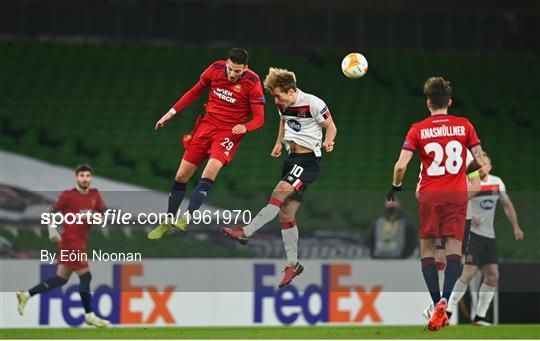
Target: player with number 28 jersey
[442,141]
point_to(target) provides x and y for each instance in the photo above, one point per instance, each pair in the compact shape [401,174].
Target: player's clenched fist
[276,152]
[163,120]
[239,129]
[328,146]
[518,233]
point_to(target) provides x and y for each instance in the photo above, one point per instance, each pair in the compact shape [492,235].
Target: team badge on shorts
[186,140]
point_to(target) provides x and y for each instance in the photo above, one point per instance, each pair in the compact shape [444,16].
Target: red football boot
[439,318]
[290,273]
[446,321]
[236,233]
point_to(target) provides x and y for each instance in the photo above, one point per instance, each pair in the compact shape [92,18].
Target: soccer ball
[354,65]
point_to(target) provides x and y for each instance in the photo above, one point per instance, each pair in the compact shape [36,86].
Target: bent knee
[284,187]
[286,215]
[491,279]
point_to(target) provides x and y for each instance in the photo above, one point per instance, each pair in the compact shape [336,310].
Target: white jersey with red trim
[302,122]
[482,206]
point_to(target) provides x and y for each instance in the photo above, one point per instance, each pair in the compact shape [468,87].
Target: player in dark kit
[235,92]
[442,141]
[303,118]
[79,200]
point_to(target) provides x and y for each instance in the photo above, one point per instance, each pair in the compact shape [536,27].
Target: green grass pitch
[529,331]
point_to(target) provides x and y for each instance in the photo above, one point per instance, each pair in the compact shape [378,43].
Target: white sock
[457,294]
[90,314]
[265,215]
[290,241]
[485,295]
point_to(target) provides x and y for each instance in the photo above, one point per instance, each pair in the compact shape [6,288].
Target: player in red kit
[442,141]
[80,200]
[235,94]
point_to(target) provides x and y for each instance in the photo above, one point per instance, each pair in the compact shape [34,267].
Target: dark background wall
[498,26]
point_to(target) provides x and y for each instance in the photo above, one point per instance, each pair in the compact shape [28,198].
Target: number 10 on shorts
[297,171]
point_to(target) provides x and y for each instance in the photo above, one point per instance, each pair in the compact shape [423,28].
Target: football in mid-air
[354,65]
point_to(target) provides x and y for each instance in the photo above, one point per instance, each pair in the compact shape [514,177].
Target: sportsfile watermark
[120,217]
[334,227]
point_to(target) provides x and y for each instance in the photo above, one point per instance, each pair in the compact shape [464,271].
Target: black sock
[47,285]
[86,299]
[84,291]
[199,194]
[451,274]
[431,276]
[176,195]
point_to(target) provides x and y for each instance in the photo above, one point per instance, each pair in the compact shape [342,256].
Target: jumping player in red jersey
[235,92]
[78,200]
[442,141]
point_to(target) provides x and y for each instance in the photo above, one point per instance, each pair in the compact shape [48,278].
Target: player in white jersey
[303,117]
[482,249]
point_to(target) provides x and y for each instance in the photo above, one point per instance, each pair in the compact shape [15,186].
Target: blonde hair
[282,78]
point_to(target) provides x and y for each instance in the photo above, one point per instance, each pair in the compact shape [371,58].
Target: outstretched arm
[188,98]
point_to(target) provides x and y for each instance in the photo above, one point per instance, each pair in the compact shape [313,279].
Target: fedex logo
[329,292]
[121,294]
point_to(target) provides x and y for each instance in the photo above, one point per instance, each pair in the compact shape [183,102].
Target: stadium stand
[98,103]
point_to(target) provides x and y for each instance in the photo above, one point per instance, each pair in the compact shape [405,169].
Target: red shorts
[442,219]
[73,259]
[209,140]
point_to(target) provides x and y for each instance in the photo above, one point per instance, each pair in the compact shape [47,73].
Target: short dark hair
[238,56]
[438,91]
[83,167]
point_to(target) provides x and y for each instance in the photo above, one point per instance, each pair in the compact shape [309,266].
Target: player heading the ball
[303,117]
[235,94]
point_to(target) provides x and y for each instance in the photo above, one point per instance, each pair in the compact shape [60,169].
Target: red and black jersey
[229,102]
